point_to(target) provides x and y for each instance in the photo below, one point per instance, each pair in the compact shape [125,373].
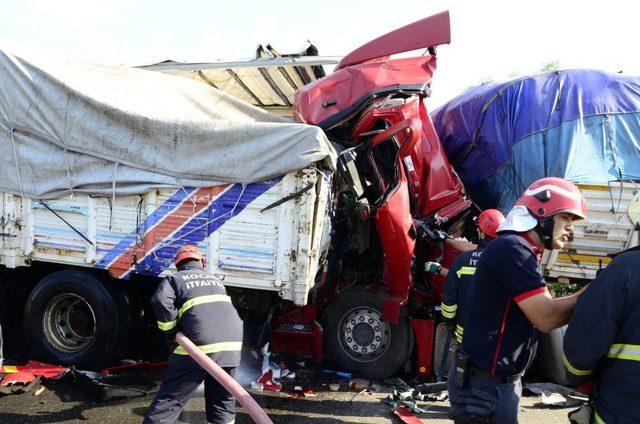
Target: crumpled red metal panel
[20,377]
[36,368]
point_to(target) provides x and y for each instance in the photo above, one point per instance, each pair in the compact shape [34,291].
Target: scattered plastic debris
[334,387]
[20,377]
[364,392]
[359,384]
[342,374]
[556,395]
[406,415]
[432,388]
[20,382]
[267,382]
[553,399]
[376,387]
[436,397]
[36,368]
[302,391]
[106,387]
[39,391]
[397,383]
[26,378]
[308,374]
[408,399]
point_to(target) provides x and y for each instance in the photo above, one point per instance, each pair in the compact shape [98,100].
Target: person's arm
[163,304]
[545,312]
[450,295]
[460,245]
[594,326]
[523,281]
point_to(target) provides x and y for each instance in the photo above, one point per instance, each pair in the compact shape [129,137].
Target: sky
[491,39]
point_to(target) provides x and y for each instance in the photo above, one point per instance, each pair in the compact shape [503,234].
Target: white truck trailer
[106,171]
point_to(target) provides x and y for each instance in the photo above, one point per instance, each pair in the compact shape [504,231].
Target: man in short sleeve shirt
[508,302]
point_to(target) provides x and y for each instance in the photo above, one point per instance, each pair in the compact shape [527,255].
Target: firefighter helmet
[189,251]
[550,196]
[489,221]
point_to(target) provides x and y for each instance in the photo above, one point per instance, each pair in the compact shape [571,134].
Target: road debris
[129,365]
[302,391]
[397,383]
[36,368]
[406,415]
[18,378]
[266,382]
[555,399]
[409,399]
[342,374]
[359,384]
[110,386]
[556,395]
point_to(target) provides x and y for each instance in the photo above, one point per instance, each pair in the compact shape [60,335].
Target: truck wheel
[357,339]
[72,318]
[549,359]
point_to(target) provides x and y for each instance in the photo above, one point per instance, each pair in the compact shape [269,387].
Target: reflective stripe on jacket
[603,339]
[197,304]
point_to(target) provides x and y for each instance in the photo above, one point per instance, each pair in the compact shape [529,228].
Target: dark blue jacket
[603,339]
[456,287]
[196,303]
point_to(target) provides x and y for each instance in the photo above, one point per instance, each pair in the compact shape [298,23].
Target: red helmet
[489,221]
[188,251]
[550,196]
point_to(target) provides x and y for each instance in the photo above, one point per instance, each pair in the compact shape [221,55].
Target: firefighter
[602,341]
[196,303]
[508,303]
[461,273]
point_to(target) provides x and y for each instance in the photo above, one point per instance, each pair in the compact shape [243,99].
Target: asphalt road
[68,402]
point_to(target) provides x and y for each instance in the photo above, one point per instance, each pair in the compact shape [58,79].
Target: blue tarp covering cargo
[583,125]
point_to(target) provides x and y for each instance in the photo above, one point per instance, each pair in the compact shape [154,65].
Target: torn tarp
[583,125]
[67,126]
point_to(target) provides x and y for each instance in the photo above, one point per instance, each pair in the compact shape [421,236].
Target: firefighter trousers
[504,408]
[177,388]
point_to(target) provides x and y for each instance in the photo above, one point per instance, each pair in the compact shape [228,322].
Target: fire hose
[232,386]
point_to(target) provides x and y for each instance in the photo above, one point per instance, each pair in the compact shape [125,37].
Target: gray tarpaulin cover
[77,127]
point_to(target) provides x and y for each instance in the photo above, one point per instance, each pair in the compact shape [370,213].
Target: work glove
[432,267]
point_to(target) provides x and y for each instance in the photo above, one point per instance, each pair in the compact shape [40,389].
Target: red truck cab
[394,181]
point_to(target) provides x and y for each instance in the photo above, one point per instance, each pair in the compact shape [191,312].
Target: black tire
[356,353]
[73,318]
[549,359]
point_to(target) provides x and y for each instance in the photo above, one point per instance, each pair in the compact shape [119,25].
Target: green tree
[550,66]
